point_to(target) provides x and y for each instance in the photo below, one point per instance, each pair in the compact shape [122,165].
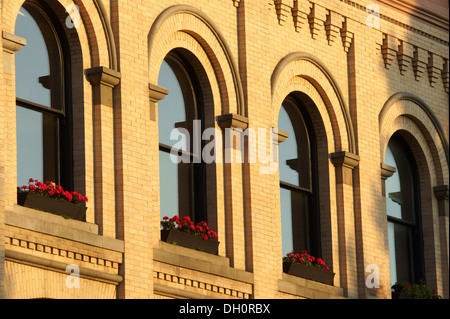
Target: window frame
[313,232]
[43,15]
[416,263]
[194,108]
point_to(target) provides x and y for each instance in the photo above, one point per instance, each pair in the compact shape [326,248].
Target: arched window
[42,104]
[402,206]
[298,195]
[180,122]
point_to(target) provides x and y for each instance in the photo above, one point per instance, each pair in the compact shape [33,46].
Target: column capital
[387,171]
[103,75]
[157,93]
[441,192]
[344,159]
[281,136]
[12,43]
[233,121]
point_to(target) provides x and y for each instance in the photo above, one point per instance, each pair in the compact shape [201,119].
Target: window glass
[182,183]
[30,150]
[41,118]
[28,71]
[287,150]
[393,191]
[171,110]
[298,217]
[405,250]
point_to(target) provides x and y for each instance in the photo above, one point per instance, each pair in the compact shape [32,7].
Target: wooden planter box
[308,272]
[190,241]
[51,205]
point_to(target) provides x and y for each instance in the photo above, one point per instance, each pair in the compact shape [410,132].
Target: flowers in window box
[405,290]
[183,232]
[306,259]
[52,190]
[52,198]
[307,266]
[186,225]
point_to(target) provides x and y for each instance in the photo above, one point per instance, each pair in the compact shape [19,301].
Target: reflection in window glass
[171,110]
[30,151]
[393,191]
[28,71]
[182,188]
[287,150]
[298,217]
[405,250]
[42,120]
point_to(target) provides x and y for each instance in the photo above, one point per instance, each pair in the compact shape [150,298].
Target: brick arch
[409,116]
[422,151]
[93,37]
[322,85]
[428,129]
[204,39]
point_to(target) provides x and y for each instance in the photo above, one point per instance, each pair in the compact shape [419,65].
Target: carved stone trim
[103,75]
[157,93]
[12,43]
[441,192]
[344,159]
[387,171]
[233,121]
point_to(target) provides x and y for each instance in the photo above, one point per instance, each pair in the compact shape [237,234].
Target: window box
[51,205]
[309,272]
[191,241]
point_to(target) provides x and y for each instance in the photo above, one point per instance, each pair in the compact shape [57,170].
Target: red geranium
[306,259]
[52,190]
[186,225]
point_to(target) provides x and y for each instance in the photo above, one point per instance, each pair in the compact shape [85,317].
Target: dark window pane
[403,250]
[298,217]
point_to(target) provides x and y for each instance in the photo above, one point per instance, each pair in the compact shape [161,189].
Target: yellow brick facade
[366,76]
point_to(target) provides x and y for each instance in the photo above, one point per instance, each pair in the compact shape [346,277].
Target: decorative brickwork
[361,71]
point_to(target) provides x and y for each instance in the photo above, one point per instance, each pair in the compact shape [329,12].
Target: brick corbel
[346,34]
[300,12]
[333,25]
[389,49]
[434,66]
[420,60]
[316,19]
[283,9]
[445,75]
[405,56]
